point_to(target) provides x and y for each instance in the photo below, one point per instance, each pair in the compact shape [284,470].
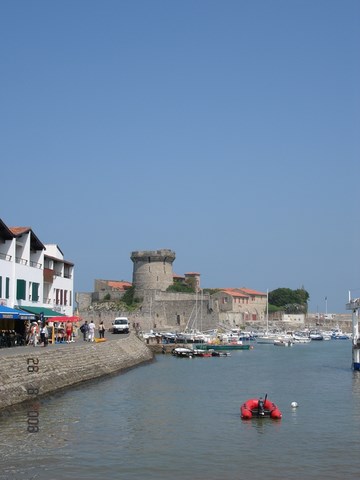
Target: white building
[34,275]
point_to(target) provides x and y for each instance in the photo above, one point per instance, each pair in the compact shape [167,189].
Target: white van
[121,325]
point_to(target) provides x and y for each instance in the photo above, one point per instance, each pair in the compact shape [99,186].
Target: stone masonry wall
[38,371]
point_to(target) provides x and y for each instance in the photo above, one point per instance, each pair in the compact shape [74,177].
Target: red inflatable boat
[259,408]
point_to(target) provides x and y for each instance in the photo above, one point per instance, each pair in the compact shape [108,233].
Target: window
[7,288]
[35,292]
[21,290]
[0,287]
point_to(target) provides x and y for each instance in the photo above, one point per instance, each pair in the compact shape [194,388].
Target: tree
[292,301]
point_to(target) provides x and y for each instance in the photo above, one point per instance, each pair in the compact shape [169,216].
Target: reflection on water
[181,417]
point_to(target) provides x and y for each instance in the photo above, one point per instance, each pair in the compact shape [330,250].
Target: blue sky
[225,130]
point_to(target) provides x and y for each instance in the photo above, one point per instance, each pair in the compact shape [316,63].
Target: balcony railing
[35,264]
[20,260]
[5,256]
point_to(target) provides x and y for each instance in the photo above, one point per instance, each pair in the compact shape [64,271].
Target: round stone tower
[152,270]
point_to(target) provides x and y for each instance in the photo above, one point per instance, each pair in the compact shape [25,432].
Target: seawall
[28,372]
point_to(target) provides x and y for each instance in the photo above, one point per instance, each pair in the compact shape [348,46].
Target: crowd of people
[40,333]
[10,338]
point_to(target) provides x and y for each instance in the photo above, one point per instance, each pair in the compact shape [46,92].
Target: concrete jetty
[30,372]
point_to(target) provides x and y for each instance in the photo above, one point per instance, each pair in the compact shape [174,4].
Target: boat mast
[267,310]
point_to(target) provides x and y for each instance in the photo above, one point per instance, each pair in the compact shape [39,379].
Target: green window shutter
[21,290]
[7,288]
[35,292]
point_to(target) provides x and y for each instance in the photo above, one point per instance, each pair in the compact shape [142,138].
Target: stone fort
[158,308]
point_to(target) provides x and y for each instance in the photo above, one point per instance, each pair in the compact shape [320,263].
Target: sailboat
[270,337]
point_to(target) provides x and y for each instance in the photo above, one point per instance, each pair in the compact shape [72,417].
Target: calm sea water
[179,418]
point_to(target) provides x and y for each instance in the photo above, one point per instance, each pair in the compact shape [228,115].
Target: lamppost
[325,305]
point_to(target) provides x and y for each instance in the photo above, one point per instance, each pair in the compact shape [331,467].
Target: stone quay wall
[28,372]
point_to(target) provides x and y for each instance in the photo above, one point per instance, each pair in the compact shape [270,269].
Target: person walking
[91,331]
[33,338]
[101,330]
[84,329]
[44,335]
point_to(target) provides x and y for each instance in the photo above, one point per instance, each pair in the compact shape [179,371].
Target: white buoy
[294,404]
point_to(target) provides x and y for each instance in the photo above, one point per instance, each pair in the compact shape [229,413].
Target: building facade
[240,305]
[33,274]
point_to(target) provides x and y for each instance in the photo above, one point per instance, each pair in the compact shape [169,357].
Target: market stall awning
[47,312]
[8,313]
[66,319]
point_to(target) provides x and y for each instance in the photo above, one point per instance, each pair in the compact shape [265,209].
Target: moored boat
[182,352]
[337,334]
[315,335]
[223,346]
[283,342]
[259,408]
[299,337]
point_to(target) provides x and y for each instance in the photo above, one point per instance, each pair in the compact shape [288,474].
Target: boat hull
[250,409]
[231,346]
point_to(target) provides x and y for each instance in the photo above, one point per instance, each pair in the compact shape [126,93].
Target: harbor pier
[354,306]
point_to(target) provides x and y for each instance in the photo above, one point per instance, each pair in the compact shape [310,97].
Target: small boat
[223,346]
[182,352]
[215,353]
[259,408]
[315,335]
[299,337]
[283,342]
[197,352]
[337,334]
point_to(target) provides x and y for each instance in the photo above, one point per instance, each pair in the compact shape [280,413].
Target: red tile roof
[249,291]
[234,292]
[119,285]
[19,230]
[243,292]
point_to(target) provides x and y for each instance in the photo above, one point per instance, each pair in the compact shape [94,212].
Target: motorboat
[259,408]
[326,335]
[216,353]
[182,352]
[190,352]
[315,335]
[283,342]
[267,338]
[337,334]
[300,337]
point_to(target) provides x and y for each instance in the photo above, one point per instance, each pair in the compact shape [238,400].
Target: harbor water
[179,418]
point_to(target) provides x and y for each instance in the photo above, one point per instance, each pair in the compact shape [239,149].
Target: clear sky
[225,130]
